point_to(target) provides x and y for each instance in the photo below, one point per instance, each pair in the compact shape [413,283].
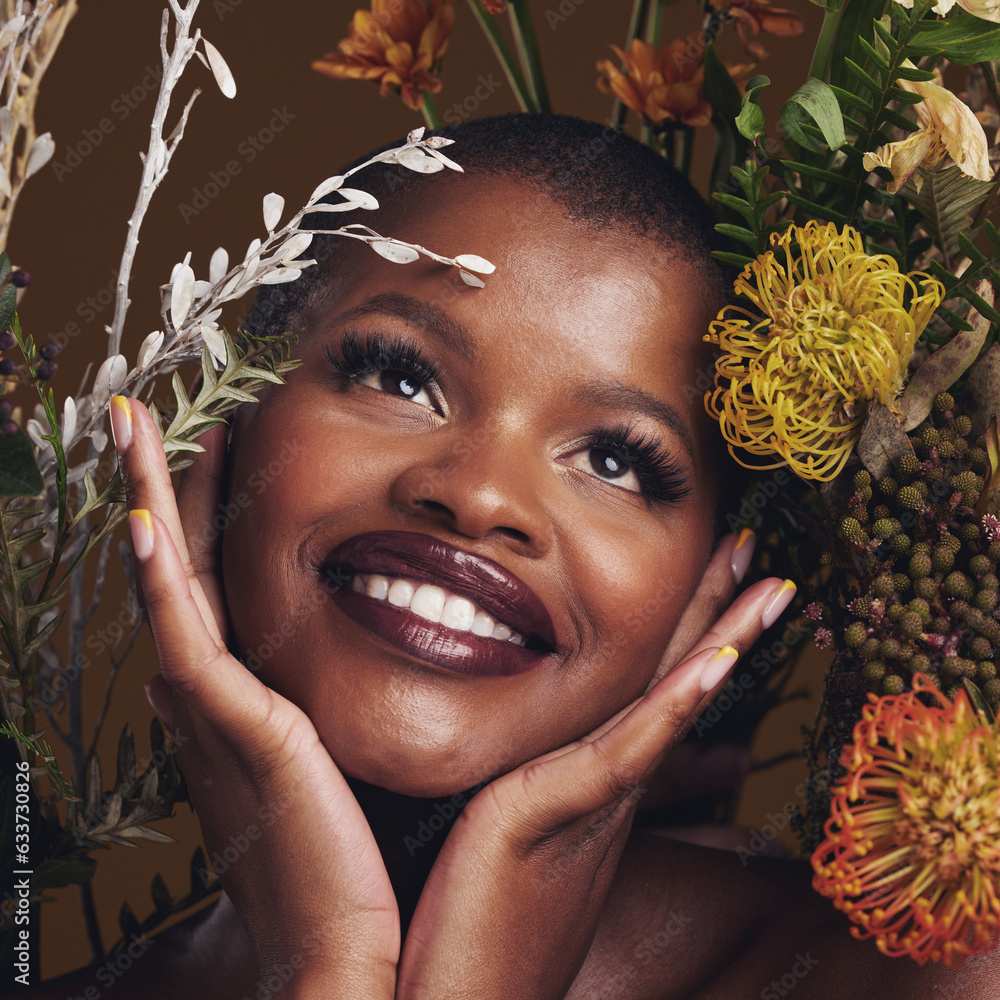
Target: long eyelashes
[662,477]
[374,353]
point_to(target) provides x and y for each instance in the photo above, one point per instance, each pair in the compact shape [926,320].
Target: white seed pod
[418,161]
[293,246]
[274,204]
[35,431]
[438,142]
[279,275]
[214,341]
[181,295]
[415,135]
[41,152]
[109,377]
[324,206]
[330,184]
[218,265]
[396,252]
[150,346]
[449,163]
[251,251]
[360,198]
[68,431]
[99,439]
[471,279]
[220,70]
[473,263]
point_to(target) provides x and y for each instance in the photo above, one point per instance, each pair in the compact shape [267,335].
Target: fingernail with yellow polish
[778,603]
[743,553]
[141,524]
[718,667]
[121,422]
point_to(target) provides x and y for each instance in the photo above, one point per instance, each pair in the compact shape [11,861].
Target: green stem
[636,21]
[687,149]
[526,43]
[503,53]
[820,65]
[429,108]
[654,24]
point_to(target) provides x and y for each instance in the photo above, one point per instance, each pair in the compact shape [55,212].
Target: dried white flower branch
[29,36]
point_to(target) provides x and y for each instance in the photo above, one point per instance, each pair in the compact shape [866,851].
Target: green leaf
[19,473]
[981,705]
[56,873]
[815,100]
[738,233]
[963,38]
[947,201]
[750,120]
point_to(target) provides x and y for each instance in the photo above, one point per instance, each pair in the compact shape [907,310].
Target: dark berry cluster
[926,567]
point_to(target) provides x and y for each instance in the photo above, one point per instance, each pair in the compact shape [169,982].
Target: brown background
[70,227]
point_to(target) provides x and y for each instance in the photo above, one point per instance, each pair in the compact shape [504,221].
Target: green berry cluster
[926,569]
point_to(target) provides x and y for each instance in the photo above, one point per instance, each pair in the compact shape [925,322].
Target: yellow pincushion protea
[835,329]
[912,848]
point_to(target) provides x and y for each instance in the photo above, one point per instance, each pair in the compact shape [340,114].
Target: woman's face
[478,427]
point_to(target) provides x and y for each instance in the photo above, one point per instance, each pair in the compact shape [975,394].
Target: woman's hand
[513,900]
[303,867]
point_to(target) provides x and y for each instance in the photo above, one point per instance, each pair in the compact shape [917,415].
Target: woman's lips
[487,584]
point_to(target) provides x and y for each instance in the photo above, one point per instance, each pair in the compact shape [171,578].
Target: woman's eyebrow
[427,317]
[617,395]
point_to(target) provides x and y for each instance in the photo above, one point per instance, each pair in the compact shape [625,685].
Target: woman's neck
[409,832]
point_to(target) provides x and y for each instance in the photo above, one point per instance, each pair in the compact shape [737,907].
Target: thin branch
[157,156]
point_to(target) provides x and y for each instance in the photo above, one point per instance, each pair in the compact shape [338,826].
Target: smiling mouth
[439,604]
[434,604]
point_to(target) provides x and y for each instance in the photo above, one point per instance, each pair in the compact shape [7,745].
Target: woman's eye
[608,465]
[398,383]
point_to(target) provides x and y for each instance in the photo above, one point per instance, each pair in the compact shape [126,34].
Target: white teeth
[428,602]
[458,613]
[434,604]
[401,593]
[482,624]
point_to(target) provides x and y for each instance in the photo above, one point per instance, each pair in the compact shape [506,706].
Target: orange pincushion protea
[398,45]
[912,848]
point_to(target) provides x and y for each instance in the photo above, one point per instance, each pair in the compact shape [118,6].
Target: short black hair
[601,177]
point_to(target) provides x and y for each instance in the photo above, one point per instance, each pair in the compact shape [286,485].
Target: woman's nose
[478,485]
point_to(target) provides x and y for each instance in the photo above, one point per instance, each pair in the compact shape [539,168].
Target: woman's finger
[193,661]
[612,763]
[715,592]
[147,482]
[200,502]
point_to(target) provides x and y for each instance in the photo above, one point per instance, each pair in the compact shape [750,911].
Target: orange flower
[494,6]
[660,83]
[759,15]
[912,849]
[398,44]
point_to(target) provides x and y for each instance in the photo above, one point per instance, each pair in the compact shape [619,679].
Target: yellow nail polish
[778,603]
[745,535]
[141,524]
[121,422]
[718,667]
[743,553]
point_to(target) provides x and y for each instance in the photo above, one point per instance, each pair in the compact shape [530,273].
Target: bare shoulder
[684,922]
